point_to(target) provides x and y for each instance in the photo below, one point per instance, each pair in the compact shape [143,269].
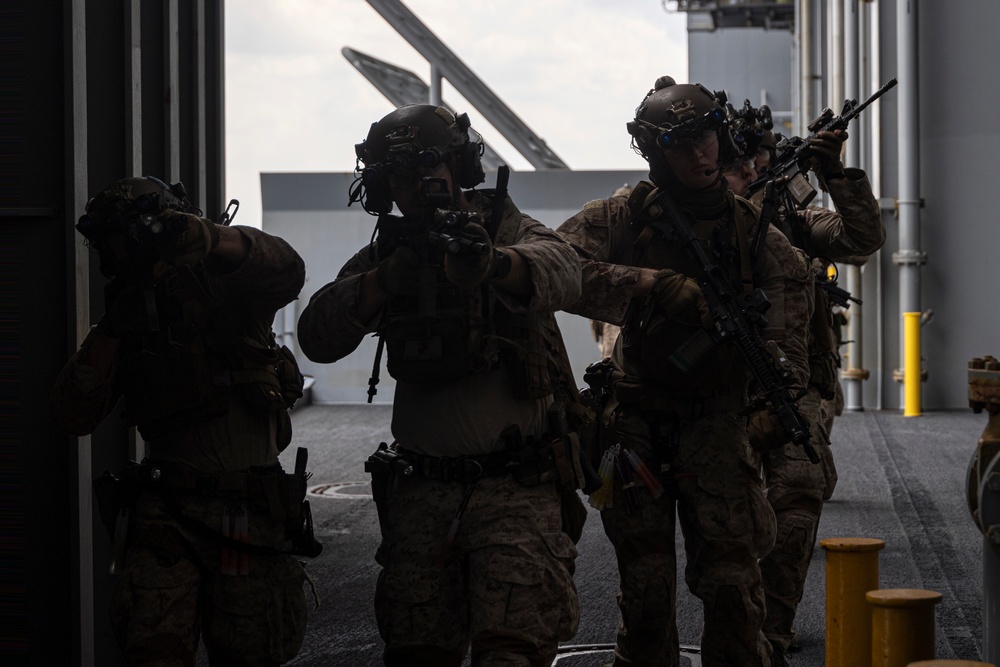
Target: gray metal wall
[959,148]
[959,145]
[310,212]
[93,92]
[748,63]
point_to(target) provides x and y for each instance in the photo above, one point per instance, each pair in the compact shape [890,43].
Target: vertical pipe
[851,571]
[79,317]
[133,140]
[836,64]
[911,364]
[134,98]
[173,113]
[909,257]
[853,394]
[803,28]
[874,46]
[201,114]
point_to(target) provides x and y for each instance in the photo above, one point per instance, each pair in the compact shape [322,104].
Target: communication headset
[405,155]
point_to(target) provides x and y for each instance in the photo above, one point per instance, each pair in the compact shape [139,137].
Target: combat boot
[779,657]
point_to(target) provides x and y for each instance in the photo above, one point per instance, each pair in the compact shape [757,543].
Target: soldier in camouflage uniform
[471,493]
[797,488]
[206,523]
[684,425]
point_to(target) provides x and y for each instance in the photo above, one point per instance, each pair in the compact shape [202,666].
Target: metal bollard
[950,663]
[902,625]
[851,571]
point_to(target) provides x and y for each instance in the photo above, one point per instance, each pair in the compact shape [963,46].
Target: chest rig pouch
[439,336]
[446,333]
[188,358]
[443,332]
[680,359]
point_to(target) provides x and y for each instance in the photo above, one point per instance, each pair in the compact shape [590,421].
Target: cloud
[572,71]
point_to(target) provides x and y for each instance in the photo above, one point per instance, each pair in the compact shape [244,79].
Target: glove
[124,309]
[680,298]
[765,432]
[825,151]
[189,238]
[399,273]
[468,269]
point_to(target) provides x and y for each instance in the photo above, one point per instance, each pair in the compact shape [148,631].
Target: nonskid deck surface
[902,480]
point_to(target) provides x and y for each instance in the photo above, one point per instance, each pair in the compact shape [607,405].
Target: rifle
[837,295]
[738,317]
[792,154]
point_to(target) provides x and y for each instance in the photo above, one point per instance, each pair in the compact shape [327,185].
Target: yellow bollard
[950,663]
[902,626]
[851,571]
[911,364]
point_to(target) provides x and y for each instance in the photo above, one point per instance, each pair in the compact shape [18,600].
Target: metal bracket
[899,375]
[909,257]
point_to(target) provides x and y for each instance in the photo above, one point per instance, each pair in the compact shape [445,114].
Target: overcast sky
[572,70]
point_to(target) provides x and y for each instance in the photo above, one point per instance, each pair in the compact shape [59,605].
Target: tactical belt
[648,398]
[182,480]
[460,469]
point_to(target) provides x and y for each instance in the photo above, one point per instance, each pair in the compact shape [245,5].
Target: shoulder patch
[593,203]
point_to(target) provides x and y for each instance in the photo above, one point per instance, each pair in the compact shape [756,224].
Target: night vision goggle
[669,136]
[403,159]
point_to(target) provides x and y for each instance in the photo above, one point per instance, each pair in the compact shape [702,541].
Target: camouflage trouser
[727,527]
[796,489]
[505,586]
[171,590]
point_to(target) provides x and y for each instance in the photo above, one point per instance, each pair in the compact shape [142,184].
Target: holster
[383,465]
[288,492]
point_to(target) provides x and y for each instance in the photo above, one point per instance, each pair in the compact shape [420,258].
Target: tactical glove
[680,299]
[189,238]
[399,273]
[765,432]
[468,269]
[825,151]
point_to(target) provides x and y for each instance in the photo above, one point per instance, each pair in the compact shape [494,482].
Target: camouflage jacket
[466,416]
[236,433]
[605,239]
[848,234]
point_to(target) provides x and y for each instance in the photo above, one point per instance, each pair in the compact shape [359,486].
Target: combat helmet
[751,129]
[130,208]
[673,111]
[414,136]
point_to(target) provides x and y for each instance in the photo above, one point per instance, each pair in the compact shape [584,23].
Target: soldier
[796,488]
[205,526]
[461,290]
[683,423]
